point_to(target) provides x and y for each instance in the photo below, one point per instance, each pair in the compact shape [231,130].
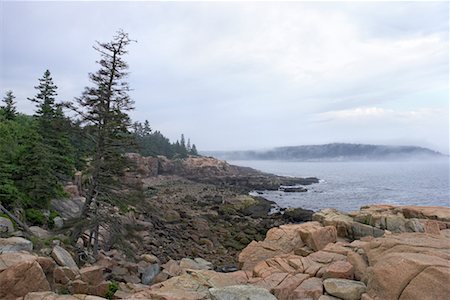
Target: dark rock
[297,215]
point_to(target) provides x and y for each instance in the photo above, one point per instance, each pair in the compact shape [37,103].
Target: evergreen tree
[54,127]
[9,110]
[188,146]
[194,150]
[104,107]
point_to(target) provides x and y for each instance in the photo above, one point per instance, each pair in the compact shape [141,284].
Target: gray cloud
[249,75]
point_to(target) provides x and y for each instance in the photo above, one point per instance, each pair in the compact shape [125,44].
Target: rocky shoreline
[193,232]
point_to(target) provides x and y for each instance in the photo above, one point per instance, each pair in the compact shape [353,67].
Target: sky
[249,75]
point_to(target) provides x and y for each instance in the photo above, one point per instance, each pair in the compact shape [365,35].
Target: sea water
[349,185]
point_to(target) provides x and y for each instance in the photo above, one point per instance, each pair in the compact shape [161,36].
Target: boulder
[195,264]
[72,190]
[48,296]
[283,290]
[15,244]
[6,226]
[345,289]
[59,222]
[13,258]
[280,240]
[68,208]
[339,269]
[238,292]
[359,265]
[317,237]
[63,258]
[40,232]
[150,258]
[311,288]
[19,280]
[148,275]
[92,275]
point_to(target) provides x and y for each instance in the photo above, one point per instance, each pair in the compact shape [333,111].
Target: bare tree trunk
[15,219]
[96,241]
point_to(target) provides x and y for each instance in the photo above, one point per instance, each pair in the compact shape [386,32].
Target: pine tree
[188,146]
[104,107]
[9,110]
[194,150]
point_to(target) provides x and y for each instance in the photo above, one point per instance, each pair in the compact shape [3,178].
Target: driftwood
[15,219]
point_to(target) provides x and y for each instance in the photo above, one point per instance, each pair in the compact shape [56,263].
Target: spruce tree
[9,109]
[104,107]
[194,150]
[53,127]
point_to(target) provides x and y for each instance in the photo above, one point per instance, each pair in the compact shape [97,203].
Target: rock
[317,237]
[40,232]
[99,289]
[238,292]
[63,275]
[6,226]
[428,284]
[68,208]
[63,258]
[195,264]
[283,290]
[48,296]
[339,269]
[72,190]
[47,264]
[359,265]
[15,244]
[395,223]
[332,217]
[92,275]
[78,287]
[10,259]
[19,280]
[398,274]
[344,288]
[172,268]
[150,258]
[328,297]
[311,288]
[150,273]
[279,240]
[172,216]
[297,215]
[59,222]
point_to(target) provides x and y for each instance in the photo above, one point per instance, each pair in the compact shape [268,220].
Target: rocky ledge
[378,253]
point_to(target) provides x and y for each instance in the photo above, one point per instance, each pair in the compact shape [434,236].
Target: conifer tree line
[40,152]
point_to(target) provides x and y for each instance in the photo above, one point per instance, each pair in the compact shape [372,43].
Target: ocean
[349,185]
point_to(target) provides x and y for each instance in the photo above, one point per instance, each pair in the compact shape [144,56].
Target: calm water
[349,185]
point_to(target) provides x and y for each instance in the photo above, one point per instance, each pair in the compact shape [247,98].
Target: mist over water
[349,185]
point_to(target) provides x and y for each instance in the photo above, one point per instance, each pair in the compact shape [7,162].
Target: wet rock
[238,292]
[296,215]
[15,244]
[344,288]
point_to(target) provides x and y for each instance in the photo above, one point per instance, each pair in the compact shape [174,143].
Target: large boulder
[40,232]
[63,258]
[19,280]
[15,244]
[279,240]
[68,208]
[317,237]
[408,266]
[238,292]
[13,258]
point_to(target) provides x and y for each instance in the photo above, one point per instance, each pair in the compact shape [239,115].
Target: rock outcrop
[309,261]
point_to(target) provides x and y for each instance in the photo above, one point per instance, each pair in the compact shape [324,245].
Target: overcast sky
[236,76]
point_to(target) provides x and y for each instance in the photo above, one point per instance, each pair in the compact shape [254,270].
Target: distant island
[331,152]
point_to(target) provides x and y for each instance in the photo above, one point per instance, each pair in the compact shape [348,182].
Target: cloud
[246,75]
